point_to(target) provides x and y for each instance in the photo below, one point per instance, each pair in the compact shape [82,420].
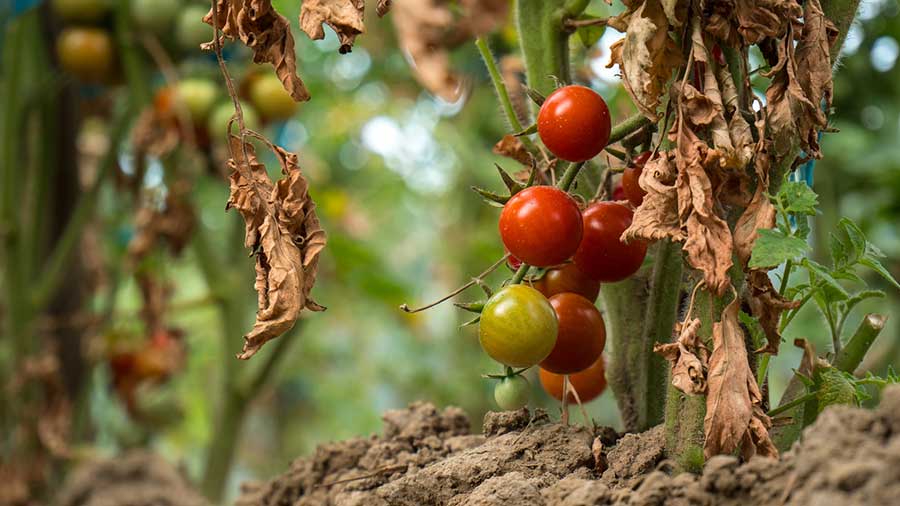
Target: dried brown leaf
[759,214]
[345,17]
[657,216]
[751,20]
[647,55]
[266,32]
[428,30]
[283,230]
[383,7]
[709,243]
[733,414]
[813,58]
[688,358]
[766,304]
[173,223]
[511,146]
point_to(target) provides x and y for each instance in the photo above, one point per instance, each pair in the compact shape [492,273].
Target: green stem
[499,86]
[763,370]
[853,353]
[520,274]
[543,42]
[56,265]
[793,404]
[627,127]
[573,8]
[785,277]
[568,177]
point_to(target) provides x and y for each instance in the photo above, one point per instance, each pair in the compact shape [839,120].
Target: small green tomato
[512,392]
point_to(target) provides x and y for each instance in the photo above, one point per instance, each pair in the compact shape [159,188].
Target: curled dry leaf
[511,146]
[747,22]
[688,358]
[266,32]
[429,29]
[657,217]
[647,55]
[383,7]
[759,214]
[344,16]
[766,304]
[734,417]
[282,229]
[173,223]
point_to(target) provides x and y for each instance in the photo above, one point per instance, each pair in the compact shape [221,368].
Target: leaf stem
[792,404]
[502,91]
[565,182]
[627,127]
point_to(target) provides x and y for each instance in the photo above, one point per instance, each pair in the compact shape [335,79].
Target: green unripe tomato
[81,10]
[512,392]
[271,99]
[518,326]
[190,30]
[218,120]
[198,96]
[155,15]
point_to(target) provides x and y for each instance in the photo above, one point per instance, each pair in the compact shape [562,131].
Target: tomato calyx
[513,186]
[508,373]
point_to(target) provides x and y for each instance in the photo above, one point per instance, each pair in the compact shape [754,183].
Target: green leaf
[590,34]
[773,248]
[528,131]
[860,296]
[840,251]
[872,263]
[833,290]
[798,198]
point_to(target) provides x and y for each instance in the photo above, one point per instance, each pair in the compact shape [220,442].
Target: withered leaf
[688,358]
[733,414]
[766,304]
[708,244]
[814,70]
[428,30]
[752,20]
[511,146]
[266,32]
[383,7]
[647,55]
[344,16]
[759,214]
[283,230]
[173,223]
[657,216]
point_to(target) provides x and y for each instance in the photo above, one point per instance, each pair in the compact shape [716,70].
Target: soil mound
[426,457]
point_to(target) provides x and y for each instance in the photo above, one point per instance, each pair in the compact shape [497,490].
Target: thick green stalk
[544,44]
[855,351]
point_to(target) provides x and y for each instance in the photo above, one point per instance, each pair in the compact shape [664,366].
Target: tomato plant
[589,383]
[602,255]
[633,191]
[86,53]
[541,226]
[567,278]
[581,335]
[512,392]
[271,99]
[518,326]
[574,123]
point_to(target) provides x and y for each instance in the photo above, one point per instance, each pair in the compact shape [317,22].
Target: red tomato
[574,123]
[589,383]
[541,226]
[513,262]
[581,335]
[618,193]
[633,191]
[601,255]
[568,278]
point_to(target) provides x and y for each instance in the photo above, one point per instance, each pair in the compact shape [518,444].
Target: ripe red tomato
[513,263]
[541,226]
[568,278]
[633,191]
[601,255]
[518,326]
[618,193]
[86,53]
[581,335]
[574,123]
[589,383]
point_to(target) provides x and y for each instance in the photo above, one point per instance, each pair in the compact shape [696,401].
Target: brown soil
[135,479]
[426,457]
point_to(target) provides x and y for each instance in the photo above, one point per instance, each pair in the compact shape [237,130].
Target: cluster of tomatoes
[553,321]
[86,50]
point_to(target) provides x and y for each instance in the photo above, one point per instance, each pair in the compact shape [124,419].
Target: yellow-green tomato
[518,326]
[512,392]
[271,99]
[198,96]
